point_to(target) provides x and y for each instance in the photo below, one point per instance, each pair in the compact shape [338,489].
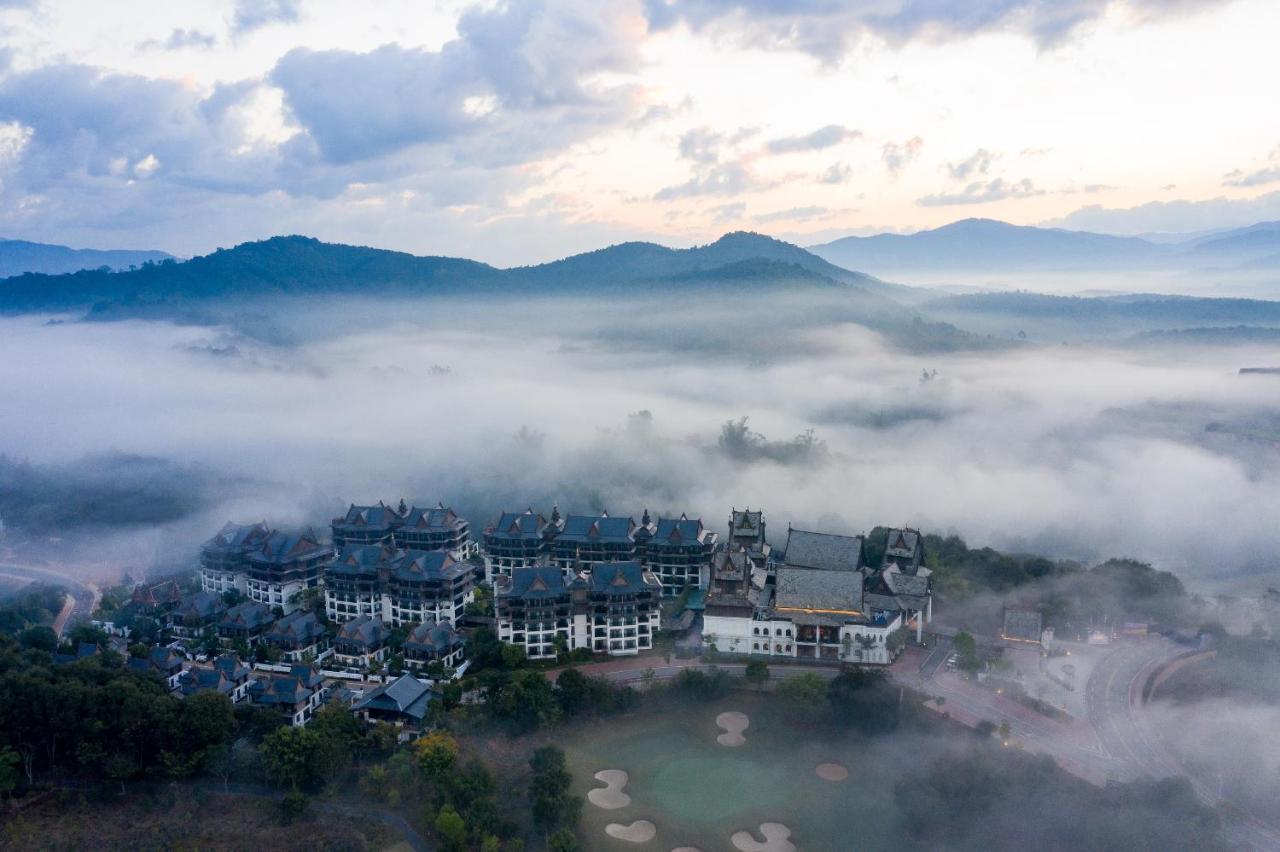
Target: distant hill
[987,245]
[297,266]
[648,262]
[19,256]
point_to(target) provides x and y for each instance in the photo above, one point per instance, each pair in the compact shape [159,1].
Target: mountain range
[296,265]
[19,256]
[990,246]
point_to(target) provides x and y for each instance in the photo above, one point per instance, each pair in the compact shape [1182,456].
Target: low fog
[1073,452]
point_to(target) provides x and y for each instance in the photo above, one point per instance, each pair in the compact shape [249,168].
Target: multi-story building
[518,540]
[587,540]
[298,635]
[821,601]
[433,642]
[678,551]
[296,695]
[438,528]
[361,641]
[245,621]
[622,607]
[284,565]
[224,559]
[611,608]
[195,614]
[353,583]
[227,676]
[534,605]
[427,585]
[366,525]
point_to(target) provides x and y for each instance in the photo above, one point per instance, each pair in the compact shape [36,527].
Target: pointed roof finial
[644,519]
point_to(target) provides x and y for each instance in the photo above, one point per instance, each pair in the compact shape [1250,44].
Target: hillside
[299,266]
[19,256]
[987,245]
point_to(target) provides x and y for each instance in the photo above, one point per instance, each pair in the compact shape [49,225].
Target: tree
[290,754]
[573,690]
[9,775]
[436,754]
[563,841]
[451,828]
[553,808]
[39,637]
[966,652]
[513,656]
[757,673]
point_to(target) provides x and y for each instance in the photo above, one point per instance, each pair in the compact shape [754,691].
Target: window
[755,646]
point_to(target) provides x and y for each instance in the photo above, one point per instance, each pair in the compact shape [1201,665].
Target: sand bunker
[610,796]
[827,772]
[640,831]
[686,849]
[734,723]
[775,839]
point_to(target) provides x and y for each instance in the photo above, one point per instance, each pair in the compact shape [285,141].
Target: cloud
[828,29]
[180,39]
[897,156]
[251,15]
[823,137]
[1177,216]
[726,213]
[1257,177]
[977,163]
[720,179]
[836,173]
[793,214]
[983,192]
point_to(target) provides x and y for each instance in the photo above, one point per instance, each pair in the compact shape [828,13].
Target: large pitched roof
[527,524]
[532,582]
[238,536]
[597,528]
[380,516]
[824,590]
[436,518]
[298,627]
[280,548]
[418,565]
[200,606]
[681,529]
[824,551]
[622,578]
[358,559]
[405,694]
[249,615]
[367,631]
[432,636]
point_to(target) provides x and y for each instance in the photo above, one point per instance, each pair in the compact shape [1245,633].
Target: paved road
[86,595]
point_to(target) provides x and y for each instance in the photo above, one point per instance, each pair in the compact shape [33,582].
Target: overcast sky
[522,131]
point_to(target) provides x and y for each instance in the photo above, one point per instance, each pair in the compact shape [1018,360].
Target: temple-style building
[284,565]
[433,642]
[678,550]
[817,599]
[438,528]
[518,540]
[610,608]
[588,540]
[224,559]
[366,525]
[399,587]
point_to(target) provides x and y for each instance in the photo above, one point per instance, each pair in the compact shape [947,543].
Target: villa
[518,540]
[227,676]
[403,702]
[245,621]
[298,635]
[433,642]
[164,662]
[609,608]
[361,641]
[196,613]
[224,559]
[678,550]
[295,695]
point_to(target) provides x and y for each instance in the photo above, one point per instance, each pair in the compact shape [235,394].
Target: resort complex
[399,589]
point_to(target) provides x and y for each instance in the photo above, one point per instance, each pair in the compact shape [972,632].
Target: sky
[523,131]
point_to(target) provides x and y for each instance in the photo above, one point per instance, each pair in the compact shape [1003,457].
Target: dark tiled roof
[526,525]
[238,536]
[201,606]
[358,559]
[231,667]
[901,544]
[437,518]
[298,628]
[681,529]
[281,548]
[622,578]
[823,551]
[532,582]
[432,636]
[405,694]
[380,516]
[418,565]
[249,615]
[367,632]
[818,589]
[597,528]
[205,680]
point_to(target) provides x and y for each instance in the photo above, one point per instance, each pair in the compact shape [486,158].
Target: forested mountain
[19,256]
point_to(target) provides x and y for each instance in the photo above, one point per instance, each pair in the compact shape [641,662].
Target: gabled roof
[205,680]
[238,537]
[231,667]
[527,525]
[536,581]
[249,615]
[827,591]
[405,694]
[682,529]
[164,592]
[593,528]
[289,689]
[437,518]
[380,516]
[419,565]
[432,636]
[367,631]
[823,551]
[201,606]
[622,578]
[280,548]
[297,628]
[361,559]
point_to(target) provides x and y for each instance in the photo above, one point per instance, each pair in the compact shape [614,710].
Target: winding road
[83,597]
